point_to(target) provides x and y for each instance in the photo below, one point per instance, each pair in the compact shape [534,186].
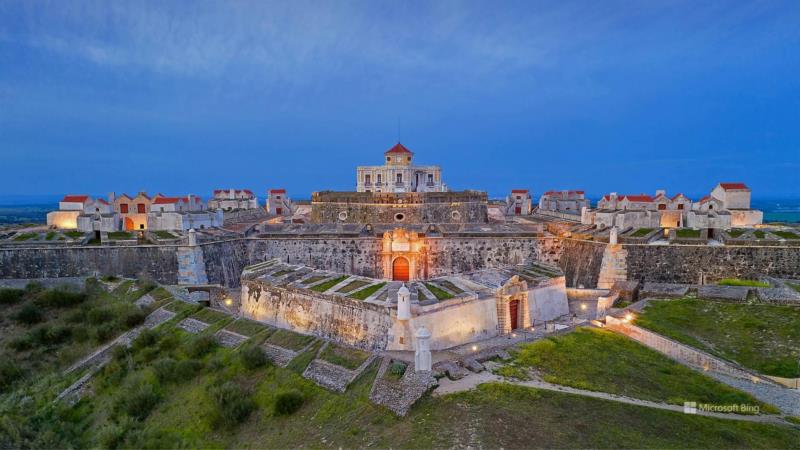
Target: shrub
[9,296]
[287,403]
[147,338]
[29,314]
[20,344]
[200,346]
[34,287]
[9,373]
[45,335]
[253,357]
[397,369]
[169,370]
[60,297]
[138,398]
[120,352]
[76,316]
[234,405]
[104,332]
[133,318]
[97,316]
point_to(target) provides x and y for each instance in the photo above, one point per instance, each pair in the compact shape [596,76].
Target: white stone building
[233,199]
[181,214]
[399,174]
[98,215]
[518,203]
[570,202]
[69,208]
[279,204]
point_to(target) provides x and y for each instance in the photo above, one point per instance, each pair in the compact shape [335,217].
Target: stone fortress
[403,256]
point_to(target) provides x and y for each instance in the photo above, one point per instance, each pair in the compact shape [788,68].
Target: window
[399,177]
[409,159]
[123,208]
[710,206]
[399,217]
[430,178]
[680,206]
[388,159]
[379,178]
[662,206]
[367,179]
[97,210]
[140,208]
[141,226]
[162,209]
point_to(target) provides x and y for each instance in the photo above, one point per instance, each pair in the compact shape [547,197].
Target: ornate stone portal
[402,255]
[512,306]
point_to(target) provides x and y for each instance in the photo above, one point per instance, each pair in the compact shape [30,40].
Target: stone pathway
[193,326]
[471,381]
[229,338]
[787,400]
[400,395]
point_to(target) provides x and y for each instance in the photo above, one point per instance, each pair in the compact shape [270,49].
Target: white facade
[233,199]
[278,203]
[518,203]
[571,202]
[184,221]
[399,174]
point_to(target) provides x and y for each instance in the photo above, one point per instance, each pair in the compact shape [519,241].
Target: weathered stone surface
[144,301]
[779,295]
[278,355]
[399,396]
[229,339]
[473,365]
[329,376]
[452,370]
[193,326]
[664,290]
[731,293]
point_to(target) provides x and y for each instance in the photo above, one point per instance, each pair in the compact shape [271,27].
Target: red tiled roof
[166,200]
[678,195]
[638,198]
[246,191]
[704,199]
[100,200]
[398,148]
[519,191]
[734,186]
[75,198]
[277,191]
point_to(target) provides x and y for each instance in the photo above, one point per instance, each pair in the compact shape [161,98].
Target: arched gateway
[400,269]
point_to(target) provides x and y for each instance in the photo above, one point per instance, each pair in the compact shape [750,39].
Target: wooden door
[400,269]
[513,307]
[518,210]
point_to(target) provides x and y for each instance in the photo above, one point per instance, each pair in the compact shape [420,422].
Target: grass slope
[765,338]
[600,360]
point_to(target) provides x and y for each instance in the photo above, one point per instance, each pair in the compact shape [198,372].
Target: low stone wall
[680,352]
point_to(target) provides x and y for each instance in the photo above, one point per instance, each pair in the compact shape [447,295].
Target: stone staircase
[613,267]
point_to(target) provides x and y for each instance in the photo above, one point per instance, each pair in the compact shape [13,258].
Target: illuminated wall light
[474,348]
[583,306]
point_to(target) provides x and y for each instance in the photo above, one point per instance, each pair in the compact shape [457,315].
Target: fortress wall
[581,262]
[340,319]
[686,263]
[157,262]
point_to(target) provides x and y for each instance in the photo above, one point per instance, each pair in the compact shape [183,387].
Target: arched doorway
[513,309]
[128,224]
[400,269]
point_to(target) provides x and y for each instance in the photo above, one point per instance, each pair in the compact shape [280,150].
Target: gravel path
[787,400]
[447,386]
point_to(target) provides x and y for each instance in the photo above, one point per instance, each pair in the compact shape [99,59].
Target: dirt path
[447,386]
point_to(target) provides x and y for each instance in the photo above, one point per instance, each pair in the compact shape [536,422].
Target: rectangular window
[379,178]
[367,179]
[123,208]
[680,206]
[140,208]
[430,178]
[399,177]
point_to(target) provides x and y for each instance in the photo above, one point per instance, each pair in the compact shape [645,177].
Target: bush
[20,344]
[133,318]
[29,314]
[97,316]
[234,405]
[147,338]
[76,316]
[200,346]
[120,353]
[9,296]
[34,287]
[9,373]
[169,370]
[138,398]
[45,335]
[288,402]
[105,332]
[60,297]
[253,357]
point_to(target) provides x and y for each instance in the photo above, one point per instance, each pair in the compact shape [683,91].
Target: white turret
[422,352]
[613,235]
[192,237]
[403,303]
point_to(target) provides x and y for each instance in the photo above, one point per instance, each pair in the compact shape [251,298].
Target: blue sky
[604,96]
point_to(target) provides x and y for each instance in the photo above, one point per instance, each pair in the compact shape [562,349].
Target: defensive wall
[580,260]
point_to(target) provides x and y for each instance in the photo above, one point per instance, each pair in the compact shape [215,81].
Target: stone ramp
[725,293]
[331,376]
[663,290]
[400,395]
[787,400]
[193,326]
[280,356]
[229,339]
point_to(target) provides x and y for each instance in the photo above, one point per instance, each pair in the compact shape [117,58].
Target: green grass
[687,233]
[353,285]
[786,234]
[759,234]
[185,415]
[26,236]
[119,235]
[363,294]
[451,287]
[162,234]
[764,338]
[322,287]
[735,233]
[314,279]
[796,287]
[739,282]
[50,235]
[246,327]
[642,232]
[289,340]
[209,315]
[440,293]
[349,358]
[75,234]
[301,361]
[600,360]
[281,273]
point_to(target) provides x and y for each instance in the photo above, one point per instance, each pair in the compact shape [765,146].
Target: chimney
[111,197]
[661,192]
